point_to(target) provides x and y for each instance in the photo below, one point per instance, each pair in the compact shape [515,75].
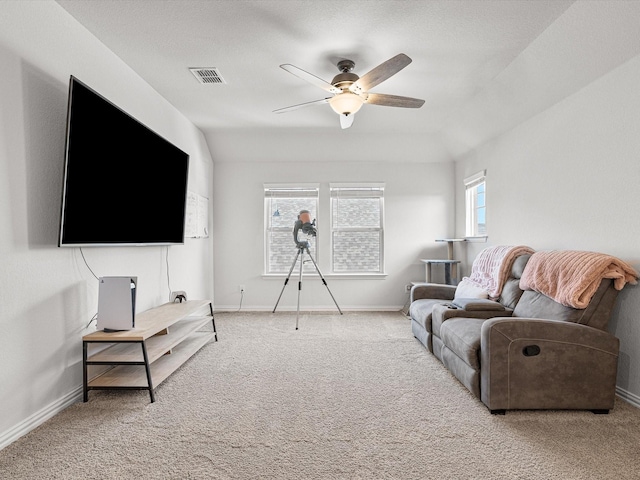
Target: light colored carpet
[345,397]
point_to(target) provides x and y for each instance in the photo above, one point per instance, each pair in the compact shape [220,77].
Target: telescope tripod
[301,251]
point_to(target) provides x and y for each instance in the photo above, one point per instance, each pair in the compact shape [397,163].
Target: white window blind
[357,228]
[282,206]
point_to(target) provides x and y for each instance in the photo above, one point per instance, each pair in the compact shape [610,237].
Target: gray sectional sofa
[524,350]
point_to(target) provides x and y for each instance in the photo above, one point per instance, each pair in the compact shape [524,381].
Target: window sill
[477,239]
[345,276]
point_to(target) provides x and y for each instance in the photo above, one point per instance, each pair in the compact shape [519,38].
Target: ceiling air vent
[207,75]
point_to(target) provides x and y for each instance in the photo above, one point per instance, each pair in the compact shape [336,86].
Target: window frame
[476,205]
[354,190]
[282,191]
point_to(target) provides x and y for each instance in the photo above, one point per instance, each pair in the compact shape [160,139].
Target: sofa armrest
[529,363]
[475,304]
[446,311]
[436,291]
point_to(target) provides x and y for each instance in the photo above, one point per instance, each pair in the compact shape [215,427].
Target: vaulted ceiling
[481,66]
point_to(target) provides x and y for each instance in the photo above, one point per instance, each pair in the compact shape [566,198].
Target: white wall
[565,178]
[418,209]
[47,294]
[568,179]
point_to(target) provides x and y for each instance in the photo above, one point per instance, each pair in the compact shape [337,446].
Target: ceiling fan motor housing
[344,80]
[345,103]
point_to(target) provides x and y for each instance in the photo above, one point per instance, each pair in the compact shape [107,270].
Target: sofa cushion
[468,289]
[420,311]
[537,305]
[511,290]
[533,304]
[462,336]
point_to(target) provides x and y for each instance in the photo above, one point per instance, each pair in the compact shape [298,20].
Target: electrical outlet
[178,296]
[241,288]
[407,287]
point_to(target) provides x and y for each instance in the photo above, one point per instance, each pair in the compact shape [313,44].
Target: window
[282,206]
[357,233]
[476,206]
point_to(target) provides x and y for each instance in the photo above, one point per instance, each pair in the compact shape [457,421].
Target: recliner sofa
[523,350]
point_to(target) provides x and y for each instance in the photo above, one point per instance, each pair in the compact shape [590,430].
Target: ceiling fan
[350,91]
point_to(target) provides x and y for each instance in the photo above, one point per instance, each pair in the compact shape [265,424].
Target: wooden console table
[164,338]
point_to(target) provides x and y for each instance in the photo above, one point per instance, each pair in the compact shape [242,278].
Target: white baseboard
[632,398]
[39,417]
[269,309]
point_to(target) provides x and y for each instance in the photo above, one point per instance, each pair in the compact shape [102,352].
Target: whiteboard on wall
[197,216]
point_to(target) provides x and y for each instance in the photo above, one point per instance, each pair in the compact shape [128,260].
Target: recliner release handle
[531,350]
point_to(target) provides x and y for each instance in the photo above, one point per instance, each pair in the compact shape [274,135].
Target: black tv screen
[123,183]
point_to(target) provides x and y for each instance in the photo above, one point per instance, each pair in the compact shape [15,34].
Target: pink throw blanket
[572,277]
[491,268]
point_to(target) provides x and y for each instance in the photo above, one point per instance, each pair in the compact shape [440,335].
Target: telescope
[305,224]
[308,227]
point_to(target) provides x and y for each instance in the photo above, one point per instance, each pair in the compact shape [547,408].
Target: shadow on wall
[624,325]
[44,117]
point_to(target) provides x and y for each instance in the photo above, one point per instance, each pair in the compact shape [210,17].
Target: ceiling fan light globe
[346,103]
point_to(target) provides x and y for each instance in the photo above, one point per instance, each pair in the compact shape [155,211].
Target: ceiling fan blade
[393,100]
[380,73]
[302,105]
[346,120]
[309,77]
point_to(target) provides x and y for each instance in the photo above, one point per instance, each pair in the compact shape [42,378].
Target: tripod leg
[299,288]
[286,280]
[323,280]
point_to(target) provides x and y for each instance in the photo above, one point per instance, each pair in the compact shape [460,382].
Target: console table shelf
[164,338]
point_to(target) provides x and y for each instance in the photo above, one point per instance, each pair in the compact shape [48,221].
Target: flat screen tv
[123,183]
